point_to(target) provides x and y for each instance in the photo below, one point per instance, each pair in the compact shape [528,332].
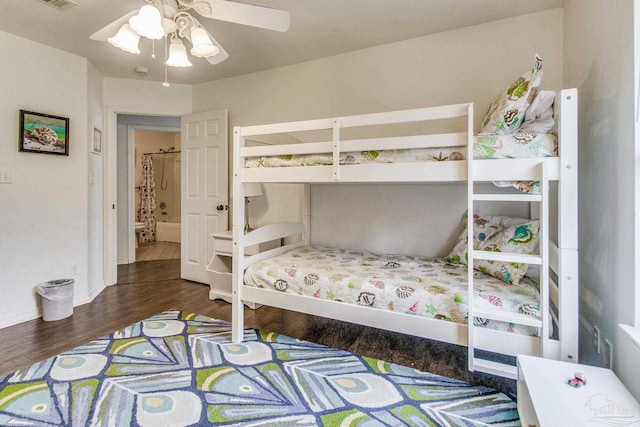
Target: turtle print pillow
[506,112]
[498,234]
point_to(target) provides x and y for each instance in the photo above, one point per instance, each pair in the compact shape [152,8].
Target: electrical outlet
[75,269]
[596,339]
[5,176]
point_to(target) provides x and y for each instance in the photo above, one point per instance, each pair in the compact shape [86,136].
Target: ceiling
[319,28]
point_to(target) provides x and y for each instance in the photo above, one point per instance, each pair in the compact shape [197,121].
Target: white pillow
[539,115]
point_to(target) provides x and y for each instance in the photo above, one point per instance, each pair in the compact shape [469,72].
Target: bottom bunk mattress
[428,287]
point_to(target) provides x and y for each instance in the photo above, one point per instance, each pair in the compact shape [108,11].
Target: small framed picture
[43,133]
[96,148]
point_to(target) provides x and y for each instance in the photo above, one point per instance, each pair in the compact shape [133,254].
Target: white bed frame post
[336,150]
[568,225]
[470,240]
[544,254]
[306,213]
[237,307]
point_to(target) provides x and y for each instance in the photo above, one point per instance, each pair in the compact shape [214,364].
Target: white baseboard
[627,354]
[123,261]
[19,318]
[28,315]
[96,290]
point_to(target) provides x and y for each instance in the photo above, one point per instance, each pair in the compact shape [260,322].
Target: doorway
[204,166]
[156,183]
[153,133]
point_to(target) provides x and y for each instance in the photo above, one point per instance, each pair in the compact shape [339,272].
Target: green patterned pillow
[506,112]
[483,229]
[501,234]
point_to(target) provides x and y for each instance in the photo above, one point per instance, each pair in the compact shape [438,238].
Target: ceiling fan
[172,19]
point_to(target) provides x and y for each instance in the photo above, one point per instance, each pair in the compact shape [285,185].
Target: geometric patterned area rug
[179,369]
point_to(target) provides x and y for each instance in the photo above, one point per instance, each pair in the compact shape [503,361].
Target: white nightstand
[220,265]
[546,400]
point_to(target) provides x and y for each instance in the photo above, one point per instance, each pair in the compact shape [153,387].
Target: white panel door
[205,196]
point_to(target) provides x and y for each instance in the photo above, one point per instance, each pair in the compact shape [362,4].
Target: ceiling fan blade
[111,29]
[218,57]
[246,14]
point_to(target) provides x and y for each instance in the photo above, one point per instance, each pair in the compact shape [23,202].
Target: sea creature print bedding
[434,288]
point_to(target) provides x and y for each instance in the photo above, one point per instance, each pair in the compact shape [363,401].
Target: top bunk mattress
[485,146]
[426,287]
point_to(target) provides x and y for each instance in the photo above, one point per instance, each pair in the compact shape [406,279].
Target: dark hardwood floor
[147,288]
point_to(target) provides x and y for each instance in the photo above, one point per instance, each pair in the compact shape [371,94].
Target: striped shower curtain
[147,210]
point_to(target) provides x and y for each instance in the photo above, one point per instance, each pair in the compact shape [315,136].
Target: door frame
[110,153]
[131,194]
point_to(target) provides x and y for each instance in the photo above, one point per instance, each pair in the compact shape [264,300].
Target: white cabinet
[219,267]
[546,400]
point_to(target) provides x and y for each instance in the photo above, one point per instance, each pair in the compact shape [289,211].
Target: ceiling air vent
[60,4]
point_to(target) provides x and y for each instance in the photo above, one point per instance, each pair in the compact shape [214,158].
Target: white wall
[470,64]
[141,97]
[43,219]
[602,71]
[96,183]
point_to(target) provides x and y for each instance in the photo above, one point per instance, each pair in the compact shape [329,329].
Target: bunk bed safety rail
[274,231]
[402,116]
[261,256]
[278,231]
[337,146]
[453,139]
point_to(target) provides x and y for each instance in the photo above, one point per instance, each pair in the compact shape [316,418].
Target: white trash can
[57,299]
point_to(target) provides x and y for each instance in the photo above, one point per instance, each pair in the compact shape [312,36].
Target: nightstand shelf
[546,400]
[219,267]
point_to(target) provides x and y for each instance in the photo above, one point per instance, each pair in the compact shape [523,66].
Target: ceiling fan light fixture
[178,54]
[126,39]
[148,22]
[203,47]
[169,25]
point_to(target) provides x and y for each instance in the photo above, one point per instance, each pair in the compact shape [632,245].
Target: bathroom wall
[151,142]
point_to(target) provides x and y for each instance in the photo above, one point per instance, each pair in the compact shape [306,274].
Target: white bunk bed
[558,286]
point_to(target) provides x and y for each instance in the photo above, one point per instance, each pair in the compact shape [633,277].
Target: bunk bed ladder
[540,321]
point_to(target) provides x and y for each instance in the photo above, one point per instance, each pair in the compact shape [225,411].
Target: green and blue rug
[179,369]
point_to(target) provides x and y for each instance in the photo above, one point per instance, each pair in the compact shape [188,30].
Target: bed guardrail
[277,231]
[338,145]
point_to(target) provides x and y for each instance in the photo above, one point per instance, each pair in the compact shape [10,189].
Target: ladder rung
[506,257]
[495,368]
[508,197]
[510,317]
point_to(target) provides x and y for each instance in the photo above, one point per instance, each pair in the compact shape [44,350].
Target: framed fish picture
[43,133]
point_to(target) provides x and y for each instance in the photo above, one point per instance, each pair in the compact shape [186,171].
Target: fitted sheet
[486,146]
[428,287]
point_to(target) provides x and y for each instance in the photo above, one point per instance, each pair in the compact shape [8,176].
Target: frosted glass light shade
[178,54]
[126,39]
[203,47]
[148,23]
